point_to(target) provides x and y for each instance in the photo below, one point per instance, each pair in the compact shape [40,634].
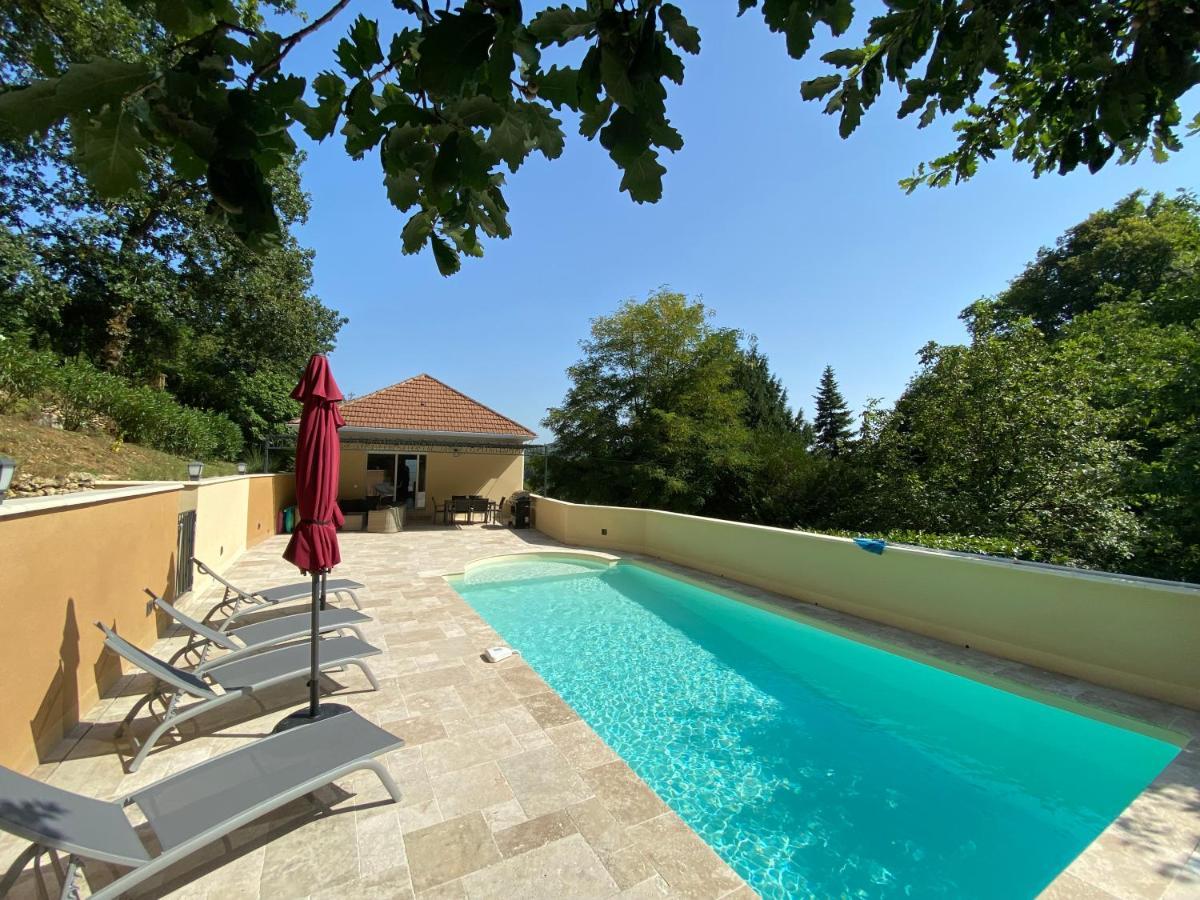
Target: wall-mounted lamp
[241,467]
[8,465]
[195,469]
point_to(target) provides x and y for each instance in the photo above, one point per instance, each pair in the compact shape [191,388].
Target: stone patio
[507,792]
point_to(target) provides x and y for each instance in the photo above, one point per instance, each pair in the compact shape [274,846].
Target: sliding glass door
[399,478]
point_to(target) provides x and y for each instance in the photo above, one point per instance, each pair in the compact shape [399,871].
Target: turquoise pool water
[815,765]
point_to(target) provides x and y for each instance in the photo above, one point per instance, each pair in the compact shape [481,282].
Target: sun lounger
[257,637]
[238,678]
[237,602]
[189,810]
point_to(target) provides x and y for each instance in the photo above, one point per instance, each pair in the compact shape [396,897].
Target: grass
[51,452]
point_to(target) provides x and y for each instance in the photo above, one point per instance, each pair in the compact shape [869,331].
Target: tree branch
[292,40]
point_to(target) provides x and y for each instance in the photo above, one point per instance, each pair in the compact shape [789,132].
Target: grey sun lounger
[237,602]
[237,679]
[191,809]
[257,637]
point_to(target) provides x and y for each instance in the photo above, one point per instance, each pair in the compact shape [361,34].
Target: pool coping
[1151,850]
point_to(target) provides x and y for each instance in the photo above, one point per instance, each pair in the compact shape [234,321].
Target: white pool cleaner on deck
[495,654]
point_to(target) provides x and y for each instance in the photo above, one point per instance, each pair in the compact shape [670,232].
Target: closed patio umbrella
[313,547]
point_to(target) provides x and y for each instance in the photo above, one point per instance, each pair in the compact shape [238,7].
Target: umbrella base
[302,717]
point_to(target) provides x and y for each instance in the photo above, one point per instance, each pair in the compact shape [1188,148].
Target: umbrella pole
[322,591]
[314,689]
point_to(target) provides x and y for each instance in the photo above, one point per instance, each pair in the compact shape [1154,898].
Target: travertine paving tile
[623,793]
[543,781]
[449,850]
[535,833]
[471,789]
[565,868]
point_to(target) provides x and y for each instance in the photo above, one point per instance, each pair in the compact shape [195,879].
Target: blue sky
[785,230]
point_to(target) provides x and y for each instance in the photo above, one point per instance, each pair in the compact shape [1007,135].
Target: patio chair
[257,637]
[237,679]
[238,602]
[460,504]
[478,505]
[189,810]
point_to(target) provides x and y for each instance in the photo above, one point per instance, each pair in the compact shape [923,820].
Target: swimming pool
[813,764]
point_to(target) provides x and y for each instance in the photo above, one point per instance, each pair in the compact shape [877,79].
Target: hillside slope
[52,453]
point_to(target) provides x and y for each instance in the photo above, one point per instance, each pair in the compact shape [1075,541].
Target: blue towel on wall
[871,545]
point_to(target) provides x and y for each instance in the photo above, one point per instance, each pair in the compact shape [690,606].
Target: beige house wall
[73,559]
[490,475]
[1133,634]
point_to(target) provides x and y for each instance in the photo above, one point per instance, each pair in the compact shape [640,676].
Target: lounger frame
[145,869]
[237,602]
[173,685]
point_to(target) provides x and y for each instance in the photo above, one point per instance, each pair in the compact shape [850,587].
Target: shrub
[83,395]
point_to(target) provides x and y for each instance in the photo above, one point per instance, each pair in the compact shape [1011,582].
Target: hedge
[82,394]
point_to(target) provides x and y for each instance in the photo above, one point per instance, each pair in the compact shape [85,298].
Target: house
[448,443]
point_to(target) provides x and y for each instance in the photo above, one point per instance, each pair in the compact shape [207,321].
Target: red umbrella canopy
[314,543]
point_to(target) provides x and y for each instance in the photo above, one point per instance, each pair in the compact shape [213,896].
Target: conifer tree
[832,422]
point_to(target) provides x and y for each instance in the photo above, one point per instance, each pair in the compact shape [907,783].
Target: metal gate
[184,550]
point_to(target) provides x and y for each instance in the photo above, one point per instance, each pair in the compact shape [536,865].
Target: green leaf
[816,88]
[559,87]
[416,232]
[839,17]
[798,27]
[186,163]
[561,24]
[479,111]
[446,166]
[845,58]
[402,189]
[445,256]
[320,120]
[509,140]
[185,18]
[543,129]
[108,149]
[44,60]
[685,36]
[615,77]
[453,49]
[665,135]
[593,120]
[360,51]
[643,178]
[31,110]
[90,85]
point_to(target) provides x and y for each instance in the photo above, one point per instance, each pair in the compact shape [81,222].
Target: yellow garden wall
[267,494]
[1134,634]
[70,560]
[64,569]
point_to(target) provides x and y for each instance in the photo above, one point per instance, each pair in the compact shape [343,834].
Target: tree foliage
[148,284]
[1066,429]
[458,96]
[1058,85]
[998,438]
[652,416]
[832,421]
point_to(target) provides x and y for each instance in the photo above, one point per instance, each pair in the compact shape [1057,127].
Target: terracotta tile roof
[423,403]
